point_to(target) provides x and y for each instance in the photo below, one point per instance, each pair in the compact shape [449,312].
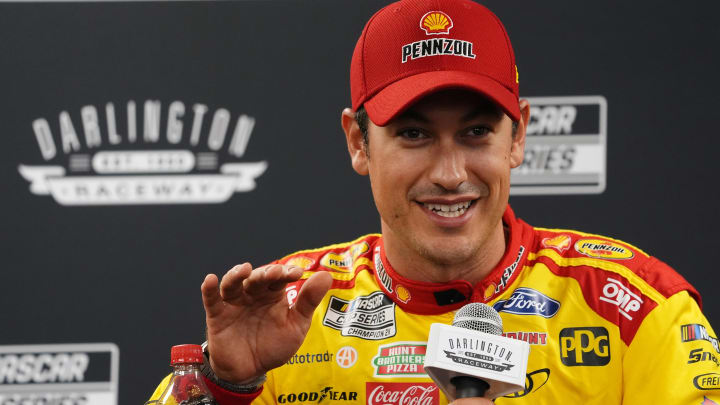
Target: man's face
[440,175]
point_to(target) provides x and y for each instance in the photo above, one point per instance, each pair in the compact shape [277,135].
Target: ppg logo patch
[526,301]
[566,144]
[588,346]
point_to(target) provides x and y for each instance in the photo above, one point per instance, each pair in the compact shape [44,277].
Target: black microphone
[471,358]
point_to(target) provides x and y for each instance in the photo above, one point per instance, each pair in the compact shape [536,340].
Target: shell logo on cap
[436,22]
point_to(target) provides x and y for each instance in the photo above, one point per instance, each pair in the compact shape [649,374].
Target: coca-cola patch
[402,393]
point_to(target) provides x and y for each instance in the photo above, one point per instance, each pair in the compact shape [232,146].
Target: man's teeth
[448,210]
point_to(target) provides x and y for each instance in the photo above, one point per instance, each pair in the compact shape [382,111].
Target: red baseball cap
[412,48]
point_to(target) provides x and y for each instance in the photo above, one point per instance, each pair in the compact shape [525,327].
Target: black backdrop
[130,273]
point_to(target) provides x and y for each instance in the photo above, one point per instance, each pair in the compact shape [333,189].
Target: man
[437,125]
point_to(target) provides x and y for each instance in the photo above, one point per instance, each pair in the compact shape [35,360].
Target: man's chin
[448,254]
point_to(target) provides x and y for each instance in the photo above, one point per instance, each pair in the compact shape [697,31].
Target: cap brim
[395,98]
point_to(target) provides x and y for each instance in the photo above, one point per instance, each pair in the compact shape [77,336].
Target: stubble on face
[449,253]
[423,248]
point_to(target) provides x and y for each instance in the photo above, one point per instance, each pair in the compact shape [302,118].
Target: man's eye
[412,133]
[479,131]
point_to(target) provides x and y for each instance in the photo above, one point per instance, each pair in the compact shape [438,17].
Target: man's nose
[448,169]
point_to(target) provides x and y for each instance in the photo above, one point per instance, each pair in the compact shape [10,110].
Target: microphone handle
[469,387]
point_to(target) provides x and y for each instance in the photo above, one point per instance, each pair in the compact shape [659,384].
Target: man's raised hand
[251,329]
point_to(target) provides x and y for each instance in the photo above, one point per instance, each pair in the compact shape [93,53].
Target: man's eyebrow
[414,116]
[483,109]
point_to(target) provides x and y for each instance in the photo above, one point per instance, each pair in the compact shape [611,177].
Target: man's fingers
[212,301]
[231,285]
[311,293]
[273,277]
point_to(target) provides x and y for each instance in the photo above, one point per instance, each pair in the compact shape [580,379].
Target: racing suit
[606,324]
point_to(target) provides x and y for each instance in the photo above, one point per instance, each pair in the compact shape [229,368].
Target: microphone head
[480,317]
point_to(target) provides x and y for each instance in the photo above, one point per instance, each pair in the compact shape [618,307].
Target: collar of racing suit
[436,298]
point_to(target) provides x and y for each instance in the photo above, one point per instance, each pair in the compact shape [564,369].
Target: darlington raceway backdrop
[145,144]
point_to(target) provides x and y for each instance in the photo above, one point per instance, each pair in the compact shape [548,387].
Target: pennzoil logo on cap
[435,23]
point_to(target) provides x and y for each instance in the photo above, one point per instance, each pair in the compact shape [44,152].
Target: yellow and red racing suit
[607,324]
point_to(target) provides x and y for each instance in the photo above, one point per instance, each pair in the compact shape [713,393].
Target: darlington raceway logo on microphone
[64,374]
[479,353]
[181,159]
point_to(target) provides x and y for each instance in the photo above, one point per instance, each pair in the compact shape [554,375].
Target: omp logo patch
[615,293]
[589,346]
[603,249]
[370,317]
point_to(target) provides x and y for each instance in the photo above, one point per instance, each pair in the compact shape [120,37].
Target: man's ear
[517,150]
[355,142]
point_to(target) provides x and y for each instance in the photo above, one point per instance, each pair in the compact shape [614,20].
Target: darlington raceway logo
[185,161]
[566,147]
[67,374]
[480,353]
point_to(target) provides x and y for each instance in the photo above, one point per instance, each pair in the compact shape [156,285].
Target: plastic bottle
[186,386]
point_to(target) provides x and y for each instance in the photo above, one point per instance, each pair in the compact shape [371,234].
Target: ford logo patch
[526,301]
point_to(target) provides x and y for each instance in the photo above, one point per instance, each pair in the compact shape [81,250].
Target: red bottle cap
[186,354]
